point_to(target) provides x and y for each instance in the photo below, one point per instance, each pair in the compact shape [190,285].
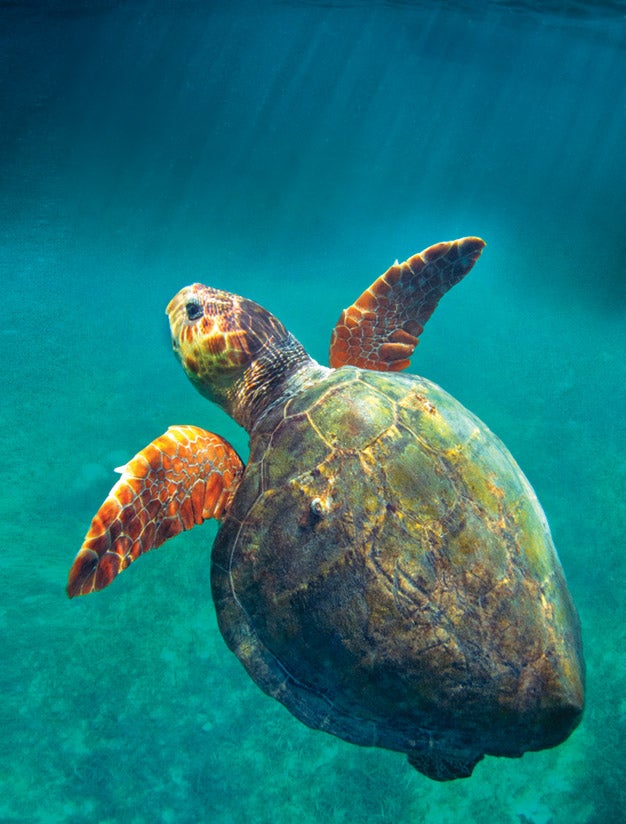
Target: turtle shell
[387,573]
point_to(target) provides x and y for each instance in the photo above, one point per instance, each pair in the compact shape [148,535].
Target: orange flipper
[382,328]
[179,480]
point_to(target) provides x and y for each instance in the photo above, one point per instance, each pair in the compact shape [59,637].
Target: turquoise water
[290,152]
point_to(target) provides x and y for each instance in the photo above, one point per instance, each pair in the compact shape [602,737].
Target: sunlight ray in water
[290,152]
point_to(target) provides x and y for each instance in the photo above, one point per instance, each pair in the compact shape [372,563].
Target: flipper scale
[382,327]
[179,480]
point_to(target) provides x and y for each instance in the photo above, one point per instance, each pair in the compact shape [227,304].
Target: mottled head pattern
[234,351]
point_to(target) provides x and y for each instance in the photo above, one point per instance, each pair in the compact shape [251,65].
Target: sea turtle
[383,567]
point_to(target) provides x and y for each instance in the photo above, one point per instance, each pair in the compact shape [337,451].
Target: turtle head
[234,351]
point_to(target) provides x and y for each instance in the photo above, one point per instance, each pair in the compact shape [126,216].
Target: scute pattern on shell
[388,574]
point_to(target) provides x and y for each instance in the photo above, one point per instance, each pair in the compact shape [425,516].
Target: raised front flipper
[382,328]
[179,480]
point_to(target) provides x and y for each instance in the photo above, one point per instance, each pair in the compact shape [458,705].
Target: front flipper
[179,480]
[382,328]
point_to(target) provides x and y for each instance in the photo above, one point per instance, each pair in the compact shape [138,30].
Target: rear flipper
[179,480]
[442,765]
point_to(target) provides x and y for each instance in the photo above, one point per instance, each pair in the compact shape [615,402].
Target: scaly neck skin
[278,371]
[274,375]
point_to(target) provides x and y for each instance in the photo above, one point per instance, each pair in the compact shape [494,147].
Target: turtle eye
[194,310]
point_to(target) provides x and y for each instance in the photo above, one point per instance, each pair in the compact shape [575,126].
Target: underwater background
[290,151]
